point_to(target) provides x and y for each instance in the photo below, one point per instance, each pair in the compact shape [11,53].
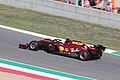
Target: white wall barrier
[67,10]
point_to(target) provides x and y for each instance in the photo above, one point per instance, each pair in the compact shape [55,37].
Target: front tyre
[34,45]
[84,55]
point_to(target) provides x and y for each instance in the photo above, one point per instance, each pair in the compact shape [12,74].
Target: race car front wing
[23,46]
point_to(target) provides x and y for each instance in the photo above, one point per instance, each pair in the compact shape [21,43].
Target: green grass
[59,26]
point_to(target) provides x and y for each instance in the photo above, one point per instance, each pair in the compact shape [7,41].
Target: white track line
[34,72]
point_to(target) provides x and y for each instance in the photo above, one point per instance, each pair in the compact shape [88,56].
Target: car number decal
[74,50]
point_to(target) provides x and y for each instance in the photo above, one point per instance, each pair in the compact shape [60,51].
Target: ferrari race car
[70,47]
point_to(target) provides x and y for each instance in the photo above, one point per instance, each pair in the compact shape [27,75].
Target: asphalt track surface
[107,68]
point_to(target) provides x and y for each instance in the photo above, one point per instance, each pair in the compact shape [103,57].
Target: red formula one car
[69,47]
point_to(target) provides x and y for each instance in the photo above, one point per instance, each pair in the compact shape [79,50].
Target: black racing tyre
[46,48]
[99,56]
[34,45]
[84,55]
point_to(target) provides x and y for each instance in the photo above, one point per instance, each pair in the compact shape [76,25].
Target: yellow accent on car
[73,42]
[61,48]
[77,43]
[66,49]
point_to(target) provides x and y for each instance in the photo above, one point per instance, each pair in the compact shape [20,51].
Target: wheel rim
[33,45]
[83,55]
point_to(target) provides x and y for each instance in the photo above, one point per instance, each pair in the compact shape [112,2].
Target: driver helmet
[67,39]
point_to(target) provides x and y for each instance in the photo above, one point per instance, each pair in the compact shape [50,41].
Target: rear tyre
[99,55]
[84,55]
[34,45]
